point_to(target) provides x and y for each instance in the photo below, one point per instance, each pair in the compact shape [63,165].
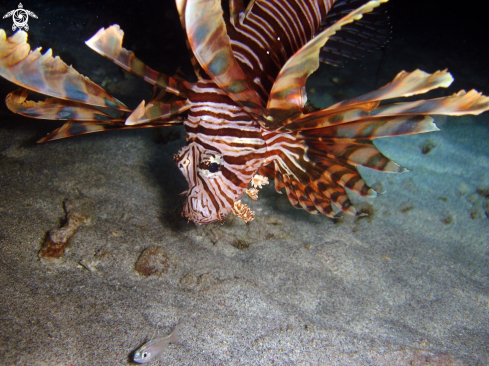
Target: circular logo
[20,17]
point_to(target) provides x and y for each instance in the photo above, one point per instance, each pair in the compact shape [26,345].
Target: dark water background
[458,34]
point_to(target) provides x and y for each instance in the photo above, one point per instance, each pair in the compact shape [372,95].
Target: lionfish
[247,117]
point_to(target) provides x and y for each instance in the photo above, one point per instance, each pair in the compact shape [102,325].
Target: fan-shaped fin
[342,174]
[405,84]
[48,75]
[58,109]
[156,110]
[367,107]
[314,195]
[458,104]
[288,94]
[326,118]
[305,199]
[328,192]
[374,127]
[323,148]
[303,166]
[322,203]
[108,43]
[355,153]
[75,128]
[199,72]
[207,34]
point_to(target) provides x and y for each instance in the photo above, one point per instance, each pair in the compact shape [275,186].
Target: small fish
[152,349]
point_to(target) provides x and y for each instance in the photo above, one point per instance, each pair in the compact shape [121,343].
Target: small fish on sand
[152,349]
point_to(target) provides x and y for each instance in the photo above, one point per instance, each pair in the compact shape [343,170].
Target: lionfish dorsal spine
[108,43]
[211,45]
[288,96]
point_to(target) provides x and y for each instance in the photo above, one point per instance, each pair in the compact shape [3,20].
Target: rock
[152,261]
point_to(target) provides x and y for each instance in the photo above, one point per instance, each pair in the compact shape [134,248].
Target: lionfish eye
[210,163]
[214,168]
[145,354]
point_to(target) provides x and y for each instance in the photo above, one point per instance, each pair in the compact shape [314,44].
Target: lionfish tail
[317,154]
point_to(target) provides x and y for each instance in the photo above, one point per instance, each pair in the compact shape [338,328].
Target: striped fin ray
[354,153]
[336,172]
[373,128]
[301,171]
[199,72]
[314,195]
[288,94]
[291,195]
[337,139]
[108,43]
[207,34]
[325,118]
[48,75]
[458,104]
[366,107]
[269,32]
[156,110]
[75,128]
[405,84]
[58,109]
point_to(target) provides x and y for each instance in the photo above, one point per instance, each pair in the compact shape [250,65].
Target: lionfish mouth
[200,214]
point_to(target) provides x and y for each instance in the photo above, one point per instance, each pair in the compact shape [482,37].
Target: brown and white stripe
[220,129]
[271,33]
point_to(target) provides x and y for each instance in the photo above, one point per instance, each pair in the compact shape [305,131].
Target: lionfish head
[212,189]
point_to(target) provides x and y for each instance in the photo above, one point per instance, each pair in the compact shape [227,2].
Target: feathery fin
[58,109]
[75,128]
[156,110]
[288,94]
[207,34]
[48,75]
[108,43]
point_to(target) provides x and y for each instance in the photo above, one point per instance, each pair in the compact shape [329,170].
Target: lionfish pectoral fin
[49,75]
[156,110]
[328,145]
[207,35]
[457,104]
[325,118]
[314,180]
[75,128]
[405,84]
[288,95]
[58,109]
[108,43]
